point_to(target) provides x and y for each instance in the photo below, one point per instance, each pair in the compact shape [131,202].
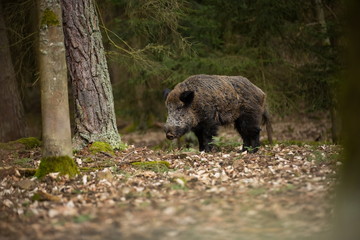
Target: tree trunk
[53,76]
[94,105]
[335,120]
[321,18]
[12,124]
[335,124]
[348,195]
[348,201]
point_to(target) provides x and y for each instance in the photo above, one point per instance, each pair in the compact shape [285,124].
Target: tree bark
[321,18]
[335,119]
[94,105]
[12,123]
[348,194]
[56,129]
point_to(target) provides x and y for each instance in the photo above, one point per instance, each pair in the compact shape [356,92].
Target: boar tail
[267,122]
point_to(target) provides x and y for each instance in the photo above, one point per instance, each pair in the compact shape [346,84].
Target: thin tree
[94,105]
[335,121]
[57,148]
[348,194]
[12,123]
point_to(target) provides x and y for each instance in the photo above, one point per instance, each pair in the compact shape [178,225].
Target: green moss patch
[65,165]
[49,18]
[156,166]
[30,142]
[11,146]
[22,143]
[98,147]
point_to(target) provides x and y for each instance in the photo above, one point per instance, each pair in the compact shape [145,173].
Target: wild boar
[202,103]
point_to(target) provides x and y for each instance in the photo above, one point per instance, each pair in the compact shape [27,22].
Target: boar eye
[187,97]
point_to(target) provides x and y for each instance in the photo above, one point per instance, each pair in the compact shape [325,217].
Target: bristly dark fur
[202,103]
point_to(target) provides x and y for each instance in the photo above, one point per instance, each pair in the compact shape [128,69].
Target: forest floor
[284,191]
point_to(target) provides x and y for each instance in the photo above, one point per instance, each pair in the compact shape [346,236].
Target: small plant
[179,184]
[257,191]
[188,141]
[23,162]
[266,142]
[187,150]
[303,143]
[321,157]
[156,166]
[176,186]
[220,142]
[82,218]
[166,145]
[122,146]
[287,188]
[250,148]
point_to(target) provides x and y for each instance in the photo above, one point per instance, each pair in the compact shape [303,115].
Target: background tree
[92,91]
[348,197]
[11,108]
[21,18]
[56,140]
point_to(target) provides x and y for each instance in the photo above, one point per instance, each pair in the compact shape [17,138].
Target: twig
[22,171]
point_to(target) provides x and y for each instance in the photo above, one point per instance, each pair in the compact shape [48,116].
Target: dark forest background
[291,49]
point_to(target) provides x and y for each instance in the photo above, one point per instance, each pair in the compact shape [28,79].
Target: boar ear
[187,97]
[166,92]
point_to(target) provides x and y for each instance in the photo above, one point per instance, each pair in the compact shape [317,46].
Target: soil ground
[284,191]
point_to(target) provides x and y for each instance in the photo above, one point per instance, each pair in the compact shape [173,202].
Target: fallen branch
[17,171]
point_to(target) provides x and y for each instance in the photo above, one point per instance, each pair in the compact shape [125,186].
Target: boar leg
[199,135]
[254,139]
[249,130]
[205,135]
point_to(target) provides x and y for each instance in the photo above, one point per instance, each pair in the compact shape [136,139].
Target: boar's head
[181,116]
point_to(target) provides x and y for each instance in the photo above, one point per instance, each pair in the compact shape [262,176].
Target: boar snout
[173,132]
[169,134]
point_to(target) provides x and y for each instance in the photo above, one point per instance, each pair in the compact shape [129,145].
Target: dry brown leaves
[282,192]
